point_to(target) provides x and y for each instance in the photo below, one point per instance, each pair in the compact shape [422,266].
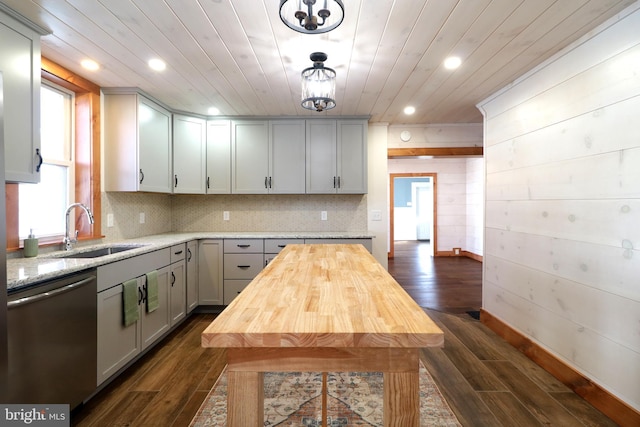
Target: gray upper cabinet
[137,149]
[336,156]
[249,154]
[351,159]
[20,68]
[321,173]
[189,154]
[218,157]
[268,157]
[286,157]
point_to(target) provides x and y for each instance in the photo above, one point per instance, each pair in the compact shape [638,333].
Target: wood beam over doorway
[434,152]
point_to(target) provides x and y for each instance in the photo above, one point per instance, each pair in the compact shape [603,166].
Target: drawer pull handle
[281,246]
[178,253]
[244,246]
[244,266]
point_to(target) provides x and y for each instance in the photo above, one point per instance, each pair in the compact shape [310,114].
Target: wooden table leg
[401,399]
[245,399]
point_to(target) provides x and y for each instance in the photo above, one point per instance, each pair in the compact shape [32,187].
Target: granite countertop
[22,272]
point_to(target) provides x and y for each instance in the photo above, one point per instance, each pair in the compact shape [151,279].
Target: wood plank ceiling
[239,57]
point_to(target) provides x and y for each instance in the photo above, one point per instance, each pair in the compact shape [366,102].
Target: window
[42,206]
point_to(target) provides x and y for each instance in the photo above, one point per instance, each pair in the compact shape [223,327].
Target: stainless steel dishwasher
[52,341]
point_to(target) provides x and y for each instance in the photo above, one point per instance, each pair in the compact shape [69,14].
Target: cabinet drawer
[242,266]
[243,246]
[274,246]
[119,271]
[232,289]
[177,253]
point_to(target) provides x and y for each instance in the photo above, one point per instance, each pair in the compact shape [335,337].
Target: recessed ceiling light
[89,64]
[213,111]
[452,62]
[157,64]
[409,110]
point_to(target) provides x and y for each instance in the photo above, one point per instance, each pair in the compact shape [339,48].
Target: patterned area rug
[354,399]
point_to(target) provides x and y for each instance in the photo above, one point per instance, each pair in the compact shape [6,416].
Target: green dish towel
[152,291]
[130,302]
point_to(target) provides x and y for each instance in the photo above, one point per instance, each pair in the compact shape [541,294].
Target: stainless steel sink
[100,252]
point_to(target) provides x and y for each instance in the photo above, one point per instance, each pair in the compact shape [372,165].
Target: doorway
[413,207]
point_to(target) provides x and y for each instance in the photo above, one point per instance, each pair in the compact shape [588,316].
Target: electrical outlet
[323,215]
[225,215]
[456,251]
[109,220]
[376,215]
[142,219]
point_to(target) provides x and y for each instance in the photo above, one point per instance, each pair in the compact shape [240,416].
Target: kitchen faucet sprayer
[67,241]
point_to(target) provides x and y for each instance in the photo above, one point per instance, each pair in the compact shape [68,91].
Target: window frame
[87,158]
[68,156]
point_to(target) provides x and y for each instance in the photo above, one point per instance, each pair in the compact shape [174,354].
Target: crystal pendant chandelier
[312,16]
[318,84]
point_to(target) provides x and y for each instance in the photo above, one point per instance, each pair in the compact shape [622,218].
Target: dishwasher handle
[33,298]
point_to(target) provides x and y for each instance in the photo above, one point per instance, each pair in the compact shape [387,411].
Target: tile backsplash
[126,209]
[192,213]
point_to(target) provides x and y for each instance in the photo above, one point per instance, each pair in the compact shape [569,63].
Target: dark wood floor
[449,284]
[486,381]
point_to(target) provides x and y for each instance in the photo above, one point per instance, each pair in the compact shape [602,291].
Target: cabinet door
[20,67]
[210,266]
[249,154]
[178,291]
[117,345]
[218,157]
[321,156]
[192,275]
[352,156]
[156,323]
[189,152]
[287,157]
[154,147]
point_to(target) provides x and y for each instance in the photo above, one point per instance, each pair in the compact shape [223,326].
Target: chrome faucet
[67,241]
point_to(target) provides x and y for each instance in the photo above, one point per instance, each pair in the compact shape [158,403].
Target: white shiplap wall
[474,233]
[562,237]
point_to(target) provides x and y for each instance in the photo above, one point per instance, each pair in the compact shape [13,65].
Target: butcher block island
[321,308]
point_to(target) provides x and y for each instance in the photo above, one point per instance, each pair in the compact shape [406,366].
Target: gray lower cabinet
[178,284]
[117,344]
[243,260]
[272,247]
[200,272]
[210,265]
[192,275]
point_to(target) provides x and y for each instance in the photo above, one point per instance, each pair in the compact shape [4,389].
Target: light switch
[109,220]
[142,219]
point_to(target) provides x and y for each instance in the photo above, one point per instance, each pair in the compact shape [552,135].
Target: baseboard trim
[462,253]
[472,255]
[600,398]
